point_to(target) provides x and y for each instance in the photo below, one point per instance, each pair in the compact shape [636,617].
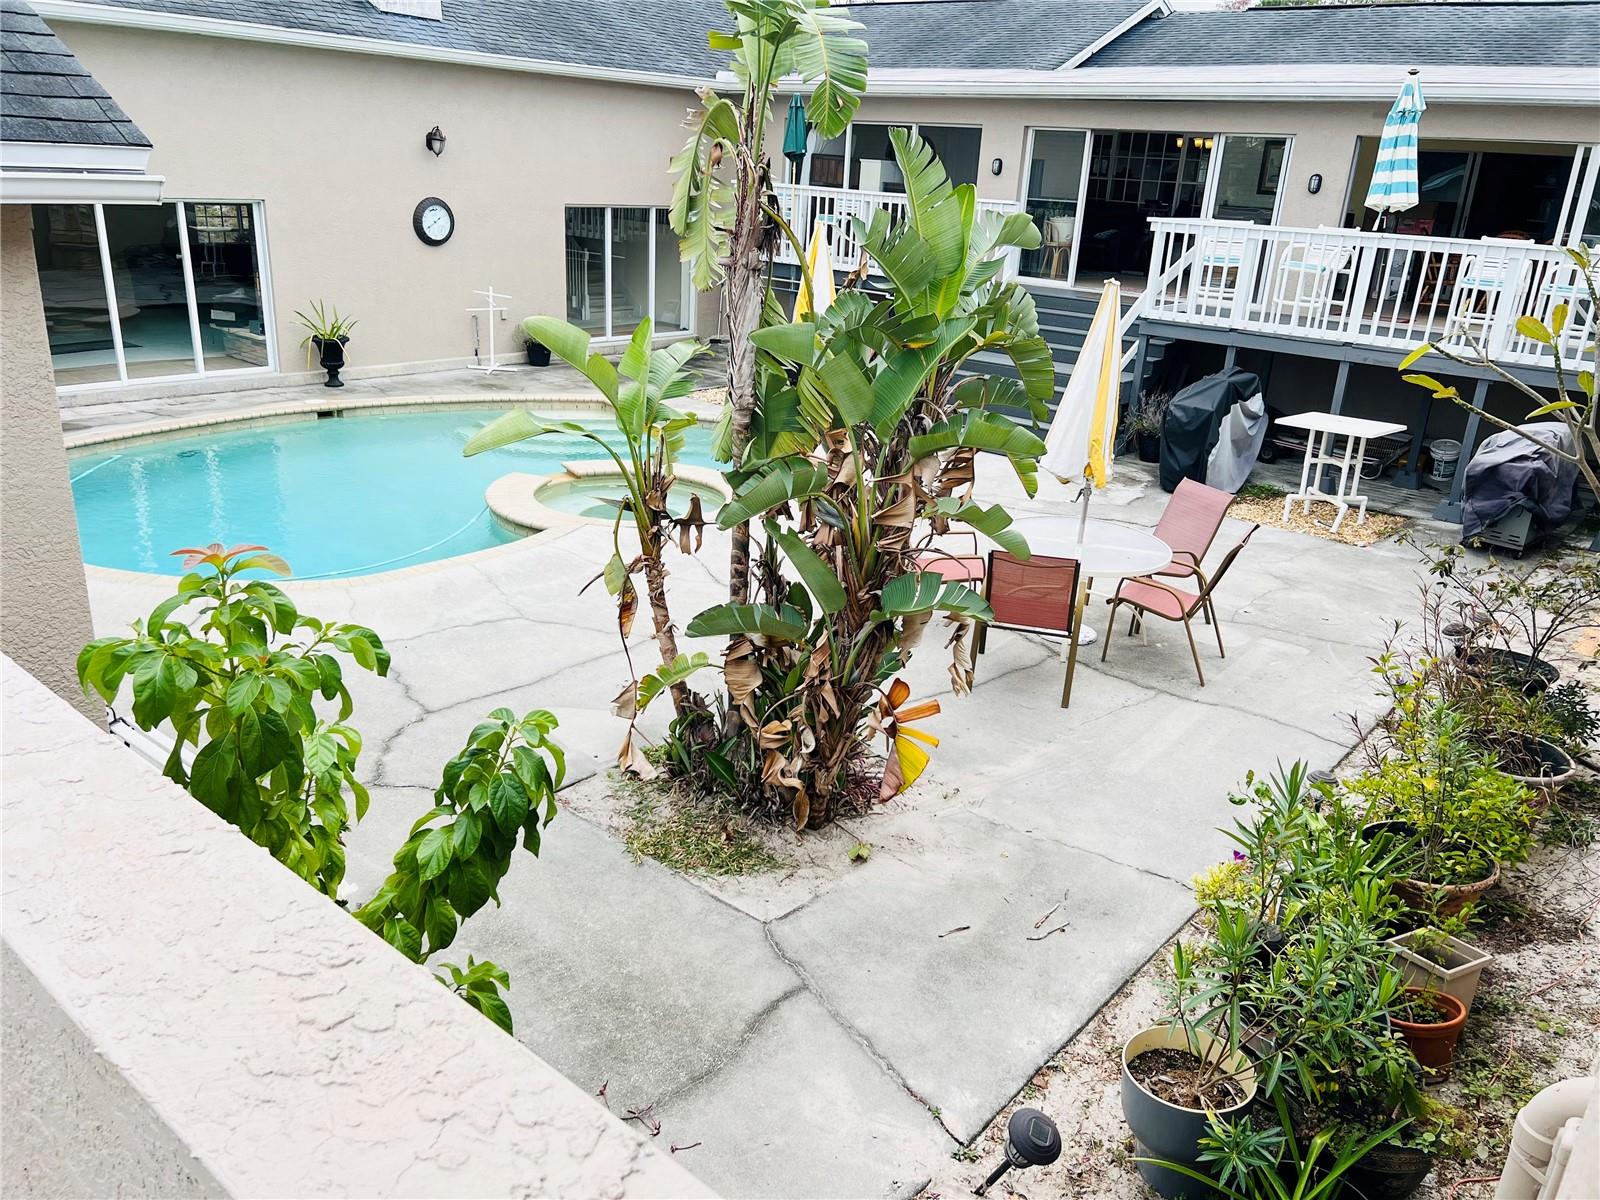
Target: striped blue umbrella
[1394,176]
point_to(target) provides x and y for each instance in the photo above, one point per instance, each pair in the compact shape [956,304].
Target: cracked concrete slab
[931,959]
[803,1110]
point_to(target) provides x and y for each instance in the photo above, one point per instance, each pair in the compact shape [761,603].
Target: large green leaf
[824,52]
[932,207]
[752,619]
[571,344]
[993,522]
[669,675]
[924,591]
[519,425]
[701,198]
[816,574]
[795,341]
[778,482]
[847,385]
[978,431]
[1034,363]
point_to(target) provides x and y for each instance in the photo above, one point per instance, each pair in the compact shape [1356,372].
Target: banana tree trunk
[655,583]
[746,289]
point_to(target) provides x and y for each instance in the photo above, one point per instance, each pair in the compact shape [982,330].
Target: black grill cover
[1190,429]
[1509,473]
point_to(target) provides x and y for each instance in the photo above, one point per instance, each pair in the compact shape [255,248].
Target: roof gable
[46,95]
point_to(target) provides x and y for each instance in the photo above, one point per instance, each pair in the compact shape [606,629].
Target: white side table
[1322,450]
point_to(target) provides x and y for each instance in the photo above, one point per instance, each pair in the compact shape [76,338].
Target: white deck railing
[806,207]
[1378,290]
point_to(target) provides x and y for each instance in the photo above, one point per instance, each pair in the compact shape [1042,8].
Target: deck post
[1411,476]
[1136,384]
[1229,357]
[1450,507]
[1341,380]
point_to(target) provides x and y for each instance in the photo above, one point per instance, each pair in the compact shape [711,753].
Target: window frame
[108,281]
[607,335]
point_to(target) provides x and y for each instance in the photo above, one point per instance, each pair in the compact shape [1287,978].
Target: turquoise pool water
[343,496]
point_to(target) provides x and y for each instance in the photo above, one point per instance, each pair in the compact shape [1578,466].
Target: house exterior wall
[44,602]
[1324,134]
[332,144]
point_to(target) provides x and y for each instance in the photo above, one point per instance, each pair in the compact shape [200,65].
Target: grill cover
[1509,474]
[1190,430]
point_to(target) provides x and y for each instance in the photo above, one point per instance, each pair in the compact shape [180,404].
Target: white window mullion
[269,317]
[606,279]
[849,148]
[188,287]
[1208,199]
[111,291]
[1083,202]
[650,283]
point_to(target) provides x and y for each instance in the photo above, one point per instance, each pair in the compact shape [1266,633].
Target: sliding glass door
[139,292]
[622,266]
[1248,174]
[1056,166]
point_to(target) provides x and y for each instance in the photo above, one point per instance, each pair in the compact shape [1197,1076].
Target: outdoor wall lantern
[434,141]
[1032,1140]
[996,167]
[1314,184]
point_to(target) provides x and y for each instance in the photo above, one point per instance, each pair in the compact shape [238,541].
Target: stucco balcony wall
[184,1017]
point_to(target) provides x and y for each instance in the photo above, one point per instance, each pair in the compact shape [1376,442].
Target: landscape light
[1032,1140]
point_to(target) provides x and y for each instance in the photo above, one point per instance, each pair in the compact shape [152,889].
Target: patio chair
[1189,525]
[1219,258]
[1035,595]
[1149,595]
[1303,290]
[1483,276]
[954,568]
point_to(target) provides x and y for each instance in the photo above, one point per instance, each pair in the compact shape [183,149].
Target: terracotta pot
[1555,772]
[1434,1043]
[1169,1131]
[1432,899]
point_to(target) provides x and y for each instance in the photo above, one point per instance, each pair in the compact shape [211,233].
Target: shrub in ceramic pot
[1450,815]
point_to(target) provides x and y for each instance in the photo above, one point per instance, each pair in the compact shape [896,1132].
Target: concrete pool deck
[842,1032]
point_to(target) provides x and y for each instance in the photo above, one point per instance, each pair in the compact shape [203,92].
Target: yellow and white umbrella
[819,271]
[1081,443]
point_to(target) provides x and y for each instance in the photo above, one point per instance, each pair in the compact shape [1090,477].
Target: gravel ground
[1536,1020]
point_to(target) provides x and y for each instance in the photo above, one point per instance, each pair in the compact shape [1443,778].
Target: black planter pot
[538,354]
[1271,940]
[1390,1172]
[330,354]
[1167,1131]
[1149,445]
[1512,668]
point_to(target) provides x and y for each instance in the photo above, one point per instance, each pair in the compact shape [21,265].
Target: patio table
[1103,549]
[1322,451]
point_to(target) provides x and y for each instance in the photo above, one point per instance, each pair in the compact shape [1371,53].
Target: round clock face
[433,221]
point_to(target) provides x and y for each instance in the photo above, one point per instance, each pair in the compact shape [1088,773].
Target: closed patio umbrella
[819,273]
[1394,185]
[1083,434]
[794,131]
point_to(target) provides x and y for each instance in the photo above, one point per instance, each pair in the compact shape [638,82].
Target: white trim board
[1156,8]
[78,187]
[73,156]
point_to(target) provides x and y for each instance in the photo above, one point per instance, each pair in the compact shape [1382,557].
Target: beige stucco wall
[332,143]
[44,603]
[1324,134]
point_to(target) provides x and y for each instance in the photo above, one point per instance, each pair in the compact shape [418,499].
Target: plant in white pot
[1433,959]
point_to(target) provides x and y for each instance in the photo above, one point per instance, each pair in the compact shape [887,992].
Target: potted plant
[538,352]
[329,334]
[1431,1023]
[1452,816]
[1430,958]
[1146,422]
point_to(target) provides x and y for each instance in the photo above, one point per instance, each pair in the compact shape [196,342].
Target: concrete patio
[842,1031]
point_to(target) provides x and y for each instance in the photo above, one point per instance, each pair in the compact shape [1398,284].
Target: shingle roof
[45,93]
[667,36]
[1038,35]
[1564,34]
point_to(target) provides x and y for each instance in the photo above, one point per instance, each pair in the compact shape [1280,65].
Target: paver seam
[850,1029]
[983,815]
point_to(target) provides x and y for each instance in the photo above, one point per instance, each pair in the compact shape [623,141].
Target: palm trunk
[655,583]
[746,289]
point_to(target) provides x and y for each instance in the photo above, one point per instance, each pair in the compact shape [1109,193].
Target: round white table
[1104,549]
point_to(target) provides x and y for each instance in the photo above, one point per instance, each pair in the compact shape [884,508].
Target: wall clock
[433,221]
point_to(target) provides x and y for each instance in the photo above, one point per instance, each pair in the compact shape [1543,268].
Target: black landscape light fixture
[1032,1140]
[434,141]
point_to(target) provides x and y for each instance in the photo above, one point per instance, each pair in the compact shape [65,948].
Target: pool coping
[513,499]
[558,527]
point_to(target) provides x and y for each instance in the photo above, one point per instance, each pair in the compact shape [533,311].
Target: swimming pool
[342,496]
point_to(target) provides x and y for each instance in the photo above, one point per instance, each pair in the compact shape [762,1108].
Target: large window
[134,292]
[1249,172]
[1055,180]
[861,158]
[622,266]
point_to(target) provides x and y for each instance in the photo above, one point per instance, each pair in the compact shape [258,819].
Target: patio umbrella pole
[1083,512]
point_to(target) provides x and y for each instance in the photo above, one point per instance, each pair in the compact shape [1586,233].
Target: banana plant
[861,449]
[639,387]
[722,208]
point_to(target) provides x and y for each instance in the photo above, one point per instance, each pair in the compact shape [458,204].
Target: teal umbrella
[794,132]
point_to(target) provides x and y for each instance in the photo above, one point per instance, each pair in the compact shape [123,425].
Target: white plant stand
[1322,450]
